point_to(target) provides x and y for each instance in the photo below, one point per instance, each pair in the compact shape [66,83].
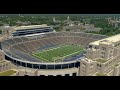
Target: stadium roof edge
[30,26]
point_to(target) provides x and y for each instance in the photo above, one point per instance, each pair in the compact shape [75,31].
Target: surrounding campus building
[4,64]
[102,57]
[77,26]
[114,21]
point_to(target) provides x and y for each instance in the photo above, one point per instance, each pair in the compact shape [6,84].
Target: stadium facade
[25,30]
[18,50]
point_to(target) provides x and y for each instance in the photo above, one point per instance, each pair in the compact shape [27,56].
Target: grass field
[7,73]
[59,53]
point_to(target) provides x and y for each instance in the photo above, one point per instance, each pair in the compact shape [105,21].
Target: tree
[67,29]
[0,31]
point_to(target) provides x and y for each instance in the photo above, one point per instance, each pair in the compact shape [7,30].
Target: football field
[59,53]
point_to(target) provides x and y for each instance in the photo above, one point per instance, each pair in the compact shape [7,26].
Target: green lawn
[99,74]
[55,54]
[116,65]
[101,60]
[7,73]
[2,61]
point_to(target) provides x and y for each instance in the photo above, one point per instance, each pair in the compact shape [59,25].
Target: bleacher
[10,41]
[17,40]
[24,46]
[24,39]
[5,45]
[19,48]
[23,55]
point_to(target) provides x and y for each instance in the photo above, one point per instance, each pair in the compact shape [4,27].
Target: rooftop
[116,65]
[101,60]
[113,39]
[2,61]
[8,73]
[30,27]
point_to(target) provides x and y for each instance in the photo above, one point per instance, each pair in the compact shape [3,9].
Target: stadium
[49,51]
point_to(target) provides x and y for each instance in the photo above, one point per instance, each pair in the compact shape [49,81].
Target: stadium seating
[10,41]
[17,40]
[22,47]
[24,39]
[22,54]
[19,48]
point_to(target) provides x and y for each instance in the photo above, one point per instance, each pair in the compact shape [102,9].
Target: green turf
[101,60]
[7,73]
[59,53]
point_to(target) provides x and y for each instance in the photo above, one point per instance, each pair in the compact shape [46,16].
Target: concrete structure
[2,55]
[18,49]
[4,64]
[20,23]
[6,30]
[25,30]
[114,21]
[77,26]
[80,27]
[102,57]
[32,29]
[35,72]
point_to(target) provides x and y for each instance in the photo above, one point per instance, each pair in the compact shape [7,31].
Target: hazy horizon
[61,14]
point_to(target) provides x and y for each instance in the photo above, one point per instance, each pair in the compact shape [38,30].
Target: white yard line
[60,57]
[52,48]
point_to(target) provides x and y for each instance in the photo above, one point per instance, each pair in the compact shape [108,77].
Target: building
[2,56]
[79,27]
[23,23]
[25,30]
[4,64]
[6,30]
[69,22]
[102,58]
[18,50]
[32,29]
[115,21]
